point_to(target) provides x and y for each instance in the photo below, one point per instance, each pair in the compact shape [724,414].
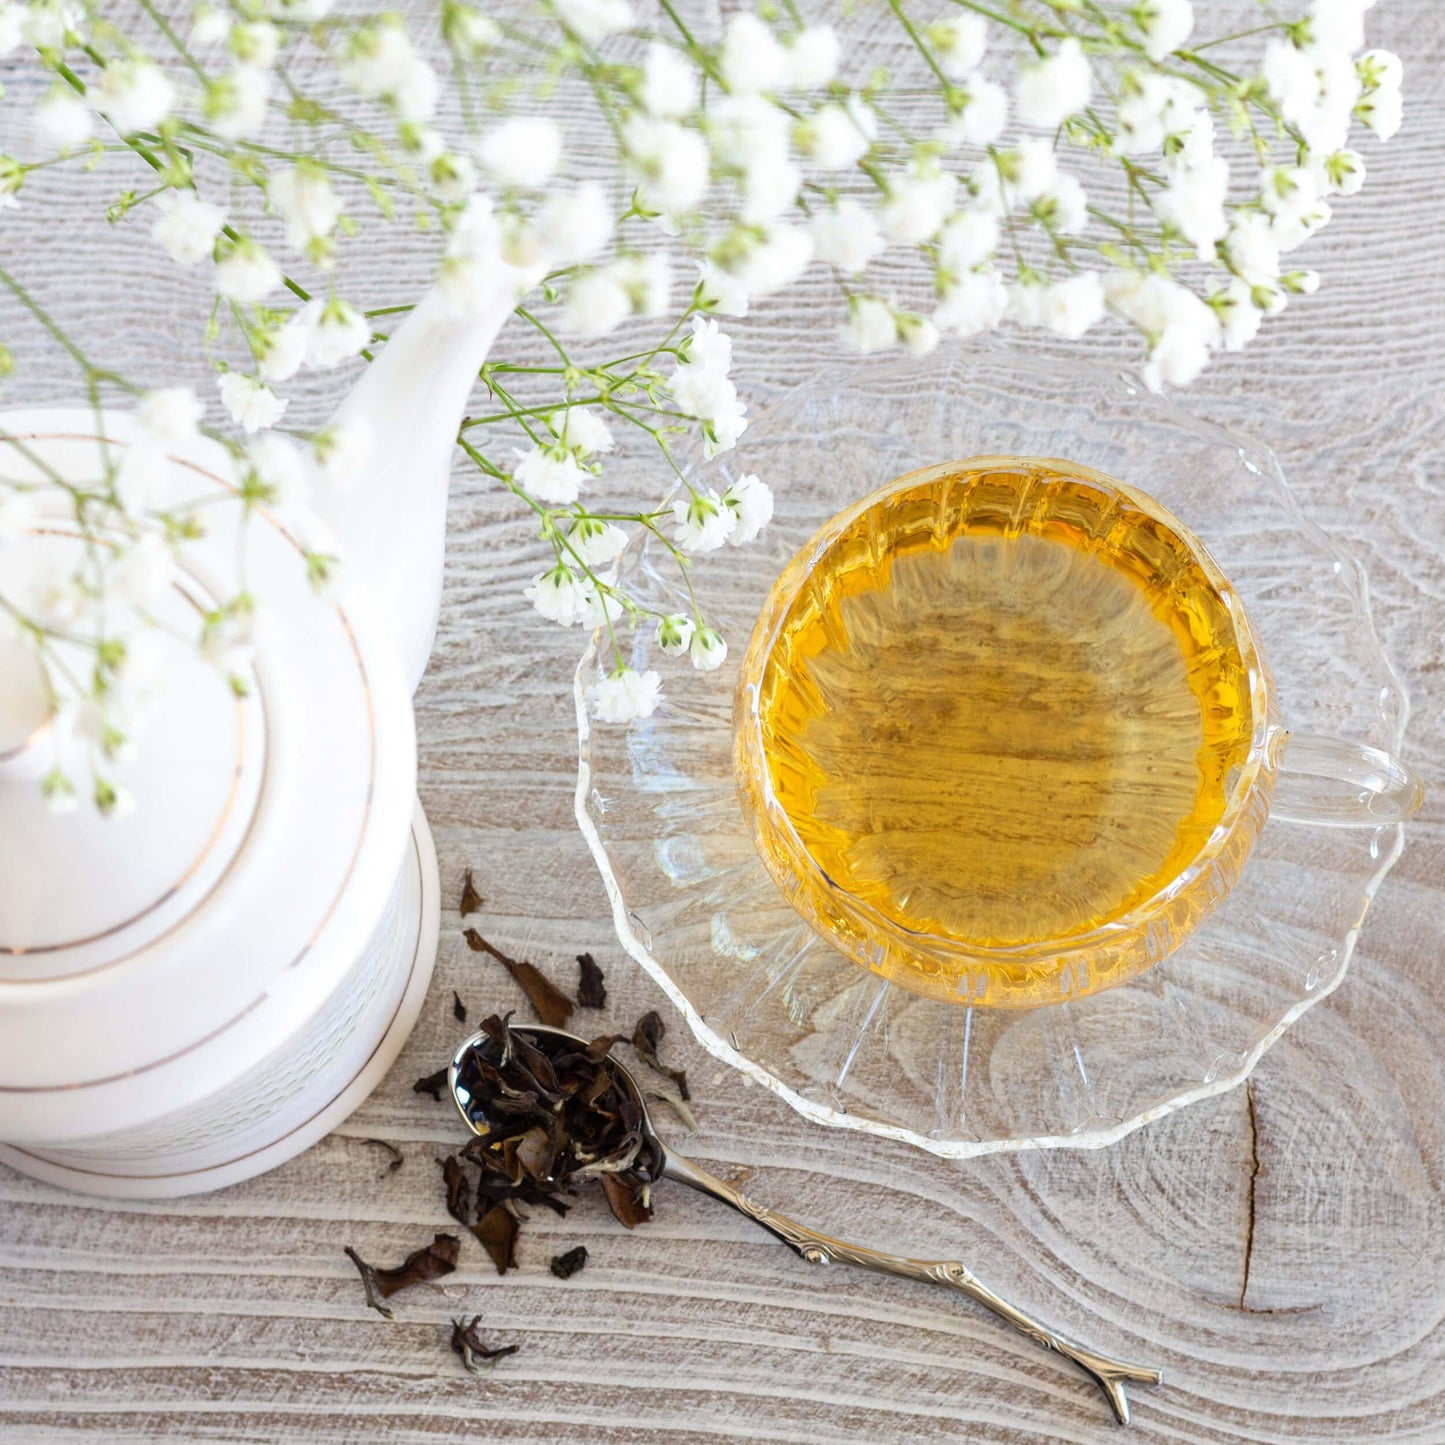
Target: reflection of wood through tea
[1001,735]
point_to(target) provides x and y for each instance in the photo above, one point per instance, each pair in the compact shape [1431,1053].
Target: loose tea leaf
[666,1094]
[471,899]
[459,1009]
[645,1039]
[552,1006]
[591,993]
[432,1261]
[564,1266]
[461,1203]
[629,1202]
[497,1232]
[396,1161]
[550,1114]
[433,1084]
[475,1356]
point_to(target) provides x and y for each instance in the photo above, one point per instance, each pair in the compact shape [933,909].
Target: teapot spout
[408,405]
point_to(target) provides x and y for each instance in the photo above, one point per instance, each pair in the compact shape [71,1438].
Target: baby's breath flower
[521,153]
[596,303]
[141,572]
[916,205]
[669,161]
[836,137]
[1165,25]
[603,606]
[1315,88]
[187,226]
[585,432]
[972,302]
[596,543]
[1050,90]
[1064,206]
[338,333]
[573,226]
[674,633]
[250,404]
[751,502]
[281,350]
[381,63]
[246,272]
[919,335]
[62,119]
[550,474]
[811,57]
[1074,305]
[1194,204]
[847,236]
[210,26]
[871,325]
[978,115]
[133,94]
[707,649]
[255,43]
[969,238]
[1381,106]
[704,521]
[341,451]
[595,20]
[1180,328]
[959,42]
[236,102]
[752,59]
[280,470]
[12,34]
[303,196]
[470,33]
[626,695]
[669,88]
[1341,173]
[559,595]
[169,416]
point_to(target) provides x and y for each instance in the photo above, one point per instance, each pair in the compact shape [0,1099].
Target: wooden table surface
[1280,1250]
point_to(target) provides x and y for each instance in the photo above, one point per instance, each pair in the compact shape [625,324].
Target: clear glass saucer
[695,906]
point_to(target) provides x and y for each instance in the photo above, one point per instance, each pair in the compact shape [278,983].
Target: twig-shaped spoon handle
[808,1244]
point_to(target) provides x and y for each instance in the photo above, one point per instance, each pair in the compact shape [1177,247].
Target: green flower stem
[919,44]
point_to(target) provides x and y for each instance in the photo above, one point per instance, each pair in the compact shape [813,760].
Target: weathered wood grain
[1279,1250]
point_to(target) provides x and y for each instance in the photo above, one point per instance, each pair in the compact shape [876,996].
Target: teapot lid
[247,808]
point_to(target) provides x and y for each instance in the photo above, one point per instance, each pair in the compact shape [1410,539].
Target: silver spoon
[808,1244]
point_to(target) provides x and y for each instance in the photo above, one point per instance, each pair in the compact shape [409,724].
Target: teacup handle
[1341,784]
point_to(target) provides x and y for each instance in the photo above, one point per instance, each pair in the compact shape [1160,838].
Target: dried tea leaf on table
[551,1005]
[397,1158]
[432,1084]
[564,1266]
[497,1232]
[474,1354]
[591,991]
[626,1200]
[471,899]
[459,1009]
[460,1198]
[430,1262]
[646,1036]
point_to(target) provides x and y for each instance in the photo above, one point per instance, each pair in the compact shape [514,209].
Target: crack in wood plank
[1253,1118]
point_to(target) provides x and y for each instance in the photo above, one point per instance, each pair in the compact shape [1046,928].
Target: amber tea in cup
[1002,732]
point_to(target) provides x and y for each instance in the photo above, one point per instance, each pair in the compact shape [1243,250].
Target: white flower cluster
[742,157]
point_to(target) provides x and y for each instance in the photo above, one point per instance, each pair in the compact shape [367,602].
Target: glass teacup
[1004,734]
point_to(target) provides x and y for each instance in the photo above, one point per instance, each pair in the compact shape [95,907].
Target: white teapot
[196,991]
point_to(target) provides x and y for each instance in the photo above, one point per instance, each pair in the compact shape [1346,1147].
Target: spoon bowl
[1109,1374]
